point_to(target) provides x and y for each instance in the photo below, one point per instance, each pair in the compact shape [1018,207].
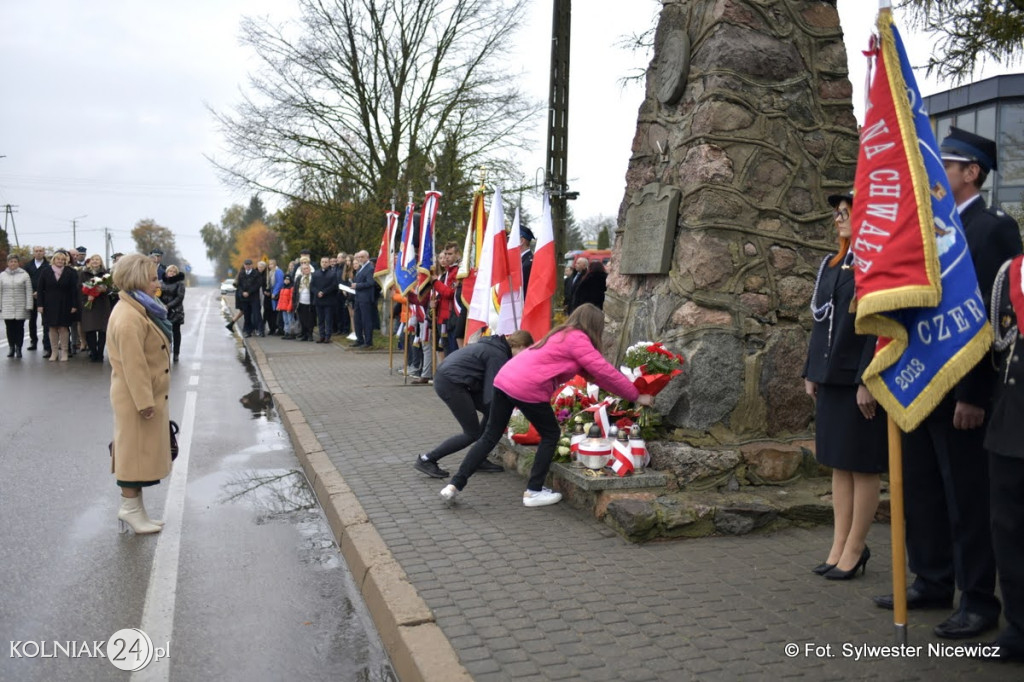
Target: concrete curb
[418,649]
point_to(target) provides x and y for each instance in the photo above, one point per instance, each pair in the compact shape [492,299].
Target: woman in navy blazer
[850,428]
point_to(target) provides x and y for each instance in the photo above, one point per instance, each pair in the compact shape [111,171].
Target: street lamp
[74,230]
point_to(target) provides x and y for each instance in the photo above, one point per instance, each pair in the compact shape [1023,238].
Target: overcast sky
[104,119]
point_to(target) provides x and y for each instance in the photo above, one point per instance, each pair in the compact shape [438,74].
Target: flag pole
[433,311]
[391,304]
[898,531]
[408,308]
[897,527]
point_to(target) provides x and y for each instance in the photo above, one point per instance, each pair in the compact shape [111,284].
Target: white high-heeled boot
[142,504]
[132,516]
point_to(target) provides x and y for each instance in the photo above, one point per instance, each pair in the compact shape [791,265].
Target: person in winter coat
[465,382]
[15,303]
[285,307]
[95,309]
[172,294]
[58,295]
[138,341]
[528,380]
[591,287]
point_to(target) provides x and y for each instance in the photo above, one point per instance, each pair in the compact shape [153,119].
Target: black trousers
[305,312]
[1007,479]
[325,318]
[97,342]
[539,414]
[33,329]
[15,332]
[464,405]
[946,492]
[251,314]
[269,314]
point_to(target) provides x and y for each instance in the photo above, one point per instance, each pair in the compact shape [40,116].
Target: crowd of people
[963,467]
[66,298]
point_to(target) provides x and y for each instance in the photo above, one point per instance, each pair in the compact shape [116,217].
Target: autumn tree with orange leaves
[255,241]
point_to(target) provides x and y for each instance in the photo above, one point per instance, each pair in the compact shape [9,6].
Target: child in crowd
[284,306]
[528,381]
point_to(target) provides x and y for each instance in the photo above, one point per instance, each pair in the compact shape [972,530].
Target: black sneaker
[429,468]
[489,467]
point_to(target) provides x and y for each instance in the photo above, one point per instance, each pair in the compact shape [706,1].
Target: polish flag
[541,290]
[510,286]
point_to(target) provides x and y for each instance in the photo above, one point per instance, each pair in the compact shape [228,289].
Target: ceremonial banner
[384,266]
[426,246]
[405,267]
[541,287]
[916,286]
[473,247]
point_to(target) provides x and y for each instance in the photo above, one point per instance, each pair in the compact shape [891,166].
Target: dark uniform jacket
[1005,434]
[992,237]
[839,357]
[527,260]
[251,282]
[476,365]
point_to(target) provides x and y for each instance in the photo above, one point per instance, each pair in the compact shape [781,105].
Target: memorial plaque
[650,231]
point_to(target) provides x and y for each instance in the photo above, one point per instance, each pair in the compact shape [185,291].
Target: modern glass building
[993,108]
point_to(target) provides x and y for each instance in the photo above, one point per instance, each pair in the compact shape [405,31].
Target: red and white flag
[541,287]
[600,411]
[510,287]
[492,267]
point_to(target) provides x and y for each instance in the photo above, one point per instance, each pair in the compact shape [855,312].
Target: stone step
[701,493]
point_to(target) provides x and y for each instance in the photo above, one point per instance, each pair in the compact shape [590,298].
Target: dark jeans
[539,414]
[364,326]
[175,337]
[325,316]
[15,332]
[464,405]
[946,491]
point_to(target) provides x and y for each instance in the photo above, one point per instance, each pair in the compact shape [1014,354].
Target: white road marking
[193,380]
[158,611]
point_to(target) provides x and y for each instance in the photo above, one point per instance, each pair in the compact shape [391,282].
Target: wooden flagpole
[898,530]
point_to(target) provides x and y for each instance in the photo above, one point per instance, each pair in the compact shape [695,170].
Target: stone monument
[748,124]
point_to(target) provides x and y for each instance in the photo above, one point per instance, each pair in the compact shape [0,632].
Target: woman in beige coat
[138,345]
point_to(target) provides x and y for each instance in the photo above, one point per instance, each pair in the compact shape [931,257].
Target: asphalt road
[245,582]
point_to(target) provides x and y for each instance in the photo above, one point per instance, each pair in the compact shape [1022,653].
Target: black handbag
[174,440]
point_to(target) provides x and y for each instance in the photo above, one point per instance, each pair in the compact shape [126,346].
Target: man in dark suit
[324,290]
[525,237]
[249,284]
[366,289]
[33,268]
[945,466]
[579,268]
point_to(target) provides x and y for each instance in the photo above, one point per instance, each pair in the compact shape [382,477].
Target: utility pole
[556,179]
[106,247]
[74,230]
[9,213]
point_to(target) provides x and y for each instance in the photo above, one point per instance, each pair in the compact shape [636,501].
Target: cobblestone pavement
[553,594]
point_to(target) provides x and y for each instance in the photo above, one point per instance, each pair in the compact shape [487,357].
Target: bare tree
[357,98]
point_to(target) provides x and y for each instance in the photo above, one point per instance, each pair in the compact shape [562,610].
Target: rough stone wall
[755,136]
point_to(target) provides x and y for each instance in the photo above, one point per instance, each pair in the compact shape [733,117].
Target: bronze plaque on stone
[650,231]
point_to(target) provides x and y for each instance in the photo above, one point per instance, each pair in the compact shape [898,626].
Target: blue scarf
[156,310]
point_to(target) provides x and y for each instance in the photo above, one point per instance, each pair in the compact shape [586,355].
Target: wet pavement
[260,590]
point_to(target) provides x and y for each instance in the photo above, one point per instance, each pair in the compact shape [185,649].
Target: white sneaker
[448,493]
[351,337]
[539,498]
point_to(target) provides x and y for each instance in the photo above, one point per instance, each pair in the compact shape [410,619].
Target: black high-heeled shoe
[862,563]
[823,568]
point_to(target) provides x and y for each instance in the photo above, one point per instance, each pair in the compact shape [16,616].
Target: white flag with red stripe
[492,266]
[510,289]
[620,462]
